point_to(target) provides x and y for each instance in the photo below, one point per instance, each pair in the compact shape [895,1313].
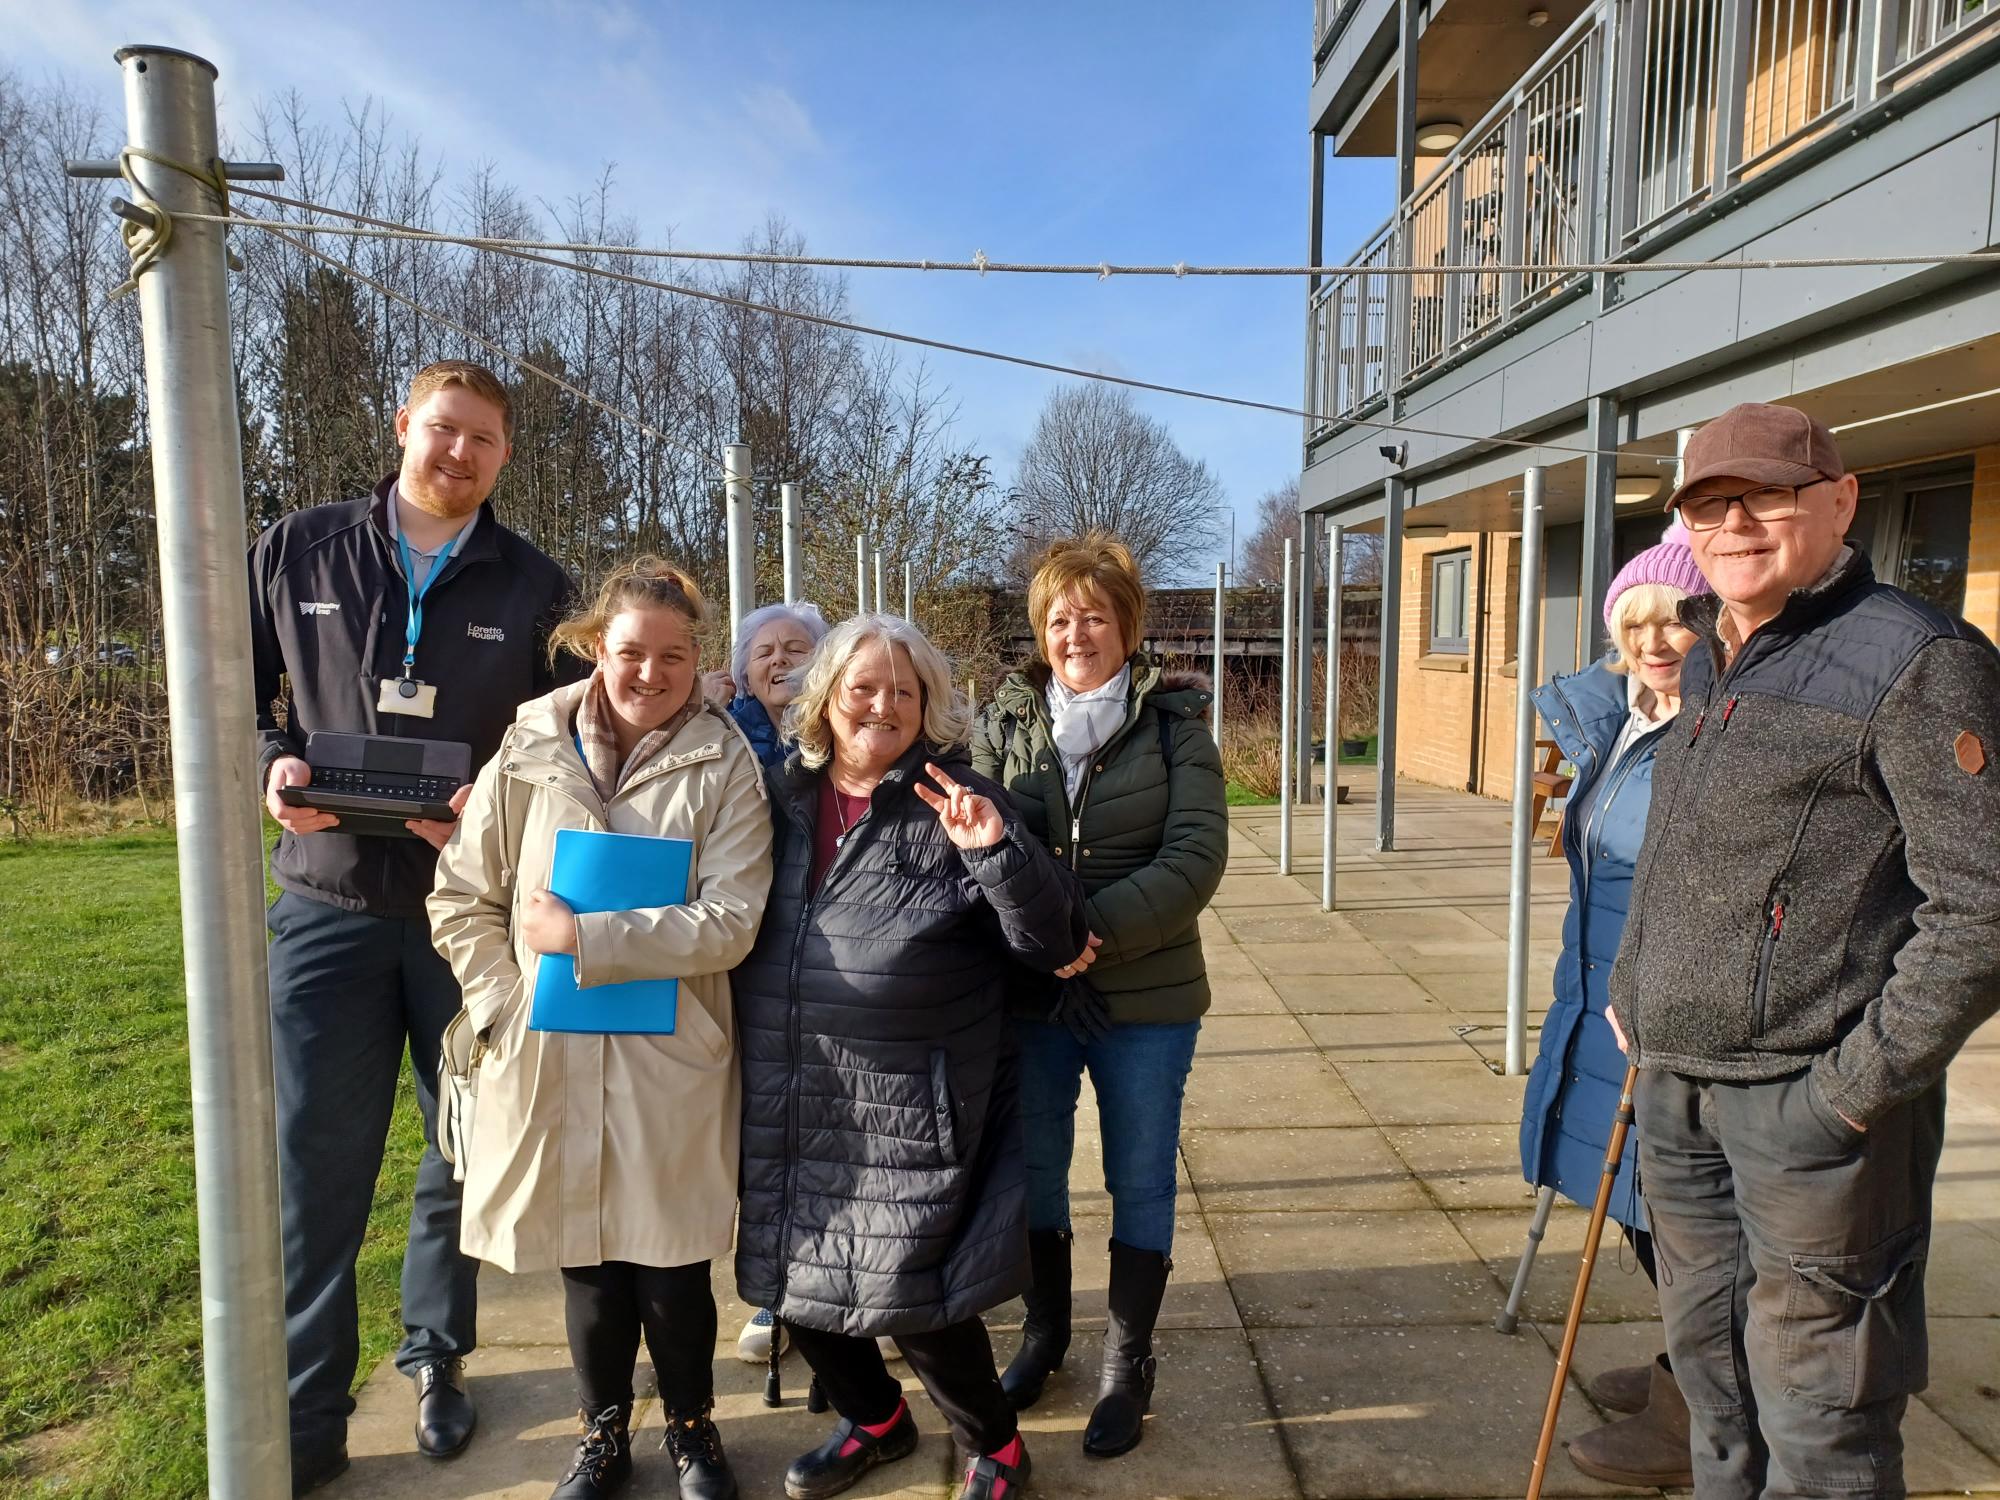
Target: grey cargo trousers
[1791,1254]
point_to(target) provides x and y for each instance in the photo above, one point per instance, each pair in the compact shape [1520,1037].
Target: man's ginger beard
[415,489]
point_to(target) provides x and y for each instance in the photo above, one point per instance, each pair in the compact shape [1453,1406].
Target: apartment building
[1532,135]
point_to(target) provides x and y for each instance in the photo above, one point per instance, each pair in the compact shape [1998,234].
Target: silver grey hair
[806,616]
[947,723]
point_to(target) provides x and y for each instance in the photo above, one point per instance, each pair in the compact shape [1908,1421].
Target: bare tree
[1097,461]
[1263,557]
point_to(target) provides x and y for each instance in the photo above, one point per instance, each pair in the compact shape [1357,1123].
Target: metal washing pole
[788,510]
[1287,679]
[1215,705]
[198,495]
[1528,675]
[740,533]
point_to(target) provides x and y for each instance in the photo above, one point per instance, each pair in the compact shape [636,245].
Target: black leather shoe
[312,1469]
[824,1472]
[986,1477]
[696,1448]
[1125,1391]
[1045,1331]
[603,1462]
[445,1417]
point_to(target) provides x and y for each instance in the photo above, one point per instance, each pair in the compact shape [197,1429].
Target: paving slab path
[1351,1214]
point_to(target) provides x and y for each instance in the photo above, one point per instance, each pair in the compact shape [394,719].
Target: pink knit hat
[1669,561]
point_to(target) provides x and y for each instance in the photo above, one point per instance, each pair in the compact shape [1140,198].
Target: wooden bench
[1549,782]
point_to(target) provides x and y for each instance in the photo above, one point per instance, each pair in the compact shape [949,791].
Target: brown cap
[1763,444]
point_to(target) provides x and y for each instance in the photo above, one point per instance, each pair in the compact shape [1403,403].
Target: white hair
[947,721]
[1636,606]
[806,616]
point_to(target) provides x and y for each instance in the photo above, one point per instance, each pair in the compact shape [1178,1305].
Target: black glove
[1081,1006]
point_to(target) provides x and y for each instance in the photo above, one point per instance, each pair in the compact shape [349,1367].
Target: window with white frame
[1451,574]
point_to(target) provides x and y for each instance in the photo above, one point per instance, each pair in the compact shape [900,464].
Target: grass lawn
[100,1367]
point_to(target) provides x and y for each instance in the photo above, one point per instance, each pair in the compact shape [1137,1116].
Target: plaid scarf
[597,737]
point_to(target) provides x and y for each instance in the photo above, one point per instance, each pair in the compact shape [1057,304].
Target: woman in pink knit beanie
[1608,720]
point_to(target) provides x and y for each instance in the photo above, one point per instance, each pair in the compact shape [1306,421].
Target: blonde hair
[466,376]
[645,583]
[1637,605]
[1095,564]
[947,717]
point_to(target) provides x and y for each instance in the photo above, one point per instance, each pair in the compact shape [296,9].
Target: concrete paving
[1351,1212]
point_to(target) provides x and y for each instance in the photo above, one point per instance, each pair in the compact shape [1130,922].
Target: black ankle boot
[603,1462]
[1045,1332]
[697,1453]
[1125,1392]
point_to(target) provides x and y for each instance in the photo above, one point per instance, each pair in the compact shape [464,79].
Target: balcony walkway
[1351,1212]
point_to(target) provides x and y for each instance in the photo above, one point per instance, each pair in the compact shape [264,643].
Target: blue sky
[1034,130]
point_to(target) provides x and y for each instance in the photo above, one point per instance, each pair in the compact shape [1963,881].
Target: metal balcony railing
[1327,16]
[1707,93]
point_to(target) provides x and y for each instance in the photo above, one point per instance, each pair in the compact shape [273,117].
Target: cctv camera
[1397,453]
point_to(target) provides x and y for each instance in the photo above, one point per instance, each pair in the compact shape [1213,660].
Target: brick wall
[1436,742]
[1982,572]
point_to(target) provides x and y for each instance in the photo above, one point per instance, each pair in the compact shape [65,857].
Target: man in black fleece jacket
[1815,932]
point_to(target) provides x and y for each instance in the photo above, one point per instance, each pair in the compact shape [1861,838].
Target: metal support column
[1302,675]
[198,492]
[881,601]
[788,506]
[1331,793]
[1600,492]
[1215,705]
[740,532]
[1385,695]
[1520,891]
[1287,646]
[860,574]
[910,591]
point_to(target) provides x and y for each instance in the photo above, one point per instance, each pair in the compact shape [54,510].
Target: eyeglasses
[1768,502]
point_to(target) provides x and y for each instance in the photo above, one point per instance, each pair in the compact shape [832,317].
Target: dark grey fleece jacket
[1820,881]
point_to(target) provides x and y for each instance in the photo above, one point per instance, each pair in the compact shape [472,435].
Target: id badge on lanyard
[407,694]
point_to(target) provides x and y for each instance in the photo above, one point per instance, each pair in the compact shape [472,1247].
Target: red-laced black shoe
[988,1477]
[829,1468]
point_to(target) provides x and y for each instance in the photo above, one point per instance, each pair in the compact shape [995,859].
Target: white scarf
[1080,723]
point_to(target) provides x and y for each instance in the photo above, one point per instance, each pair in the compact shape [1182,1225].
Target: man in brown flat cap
[1815,932]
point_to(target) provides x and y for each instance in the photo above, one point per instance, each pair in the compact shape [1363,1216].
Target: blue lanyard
[414,625]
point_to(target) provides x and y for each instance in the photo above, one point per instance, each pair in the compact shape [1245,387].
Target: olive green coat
[1149,841]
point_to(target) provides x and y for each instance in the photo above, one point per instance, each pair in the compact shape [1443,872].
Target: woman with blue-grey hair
[769,654]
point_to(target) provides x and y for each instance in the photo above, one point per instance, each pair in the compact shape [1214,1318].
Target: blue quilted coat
[1573,1090]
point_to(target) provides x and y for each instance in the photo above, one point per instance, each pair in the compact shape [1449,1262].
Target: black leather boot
[1125,1391]
[696,1448]
[445,1414]
[1045,1331]
[603,1462]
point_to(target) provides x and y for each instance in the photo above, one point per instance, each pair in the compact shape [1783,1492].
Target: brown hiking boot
[1650,1450]
[1624,1389]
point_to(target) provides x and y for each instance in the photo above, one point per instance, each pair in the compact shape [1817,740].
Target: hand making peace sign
[970,820]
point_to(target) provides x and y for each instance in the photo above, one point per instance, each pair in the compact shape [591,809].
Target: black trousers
[608,1306]
[954,1363]
[351,994]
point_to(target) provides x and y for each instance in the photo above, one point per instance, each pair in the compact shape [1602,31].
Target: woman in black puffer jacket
[883,1180]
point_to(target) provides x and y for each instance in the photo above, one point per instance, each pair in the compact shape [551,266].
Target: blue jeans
[1140,1074]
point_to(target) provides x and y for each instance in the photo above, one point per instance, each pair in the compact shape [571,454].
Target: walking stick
[774,1381]
[1509,1317]
[1613,1154]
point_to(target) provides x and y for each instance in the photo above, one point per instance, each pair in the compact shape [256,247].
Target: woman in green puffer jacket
[1109,762]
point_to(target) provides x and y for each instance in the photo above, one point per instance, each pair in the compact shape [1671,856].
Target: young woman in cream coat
[613,1157]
